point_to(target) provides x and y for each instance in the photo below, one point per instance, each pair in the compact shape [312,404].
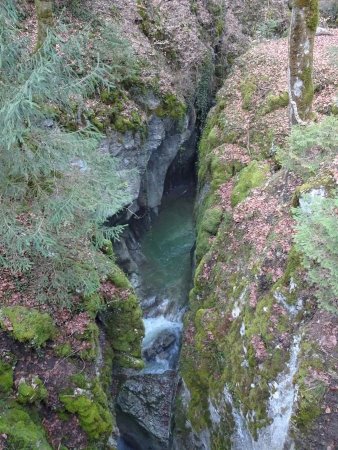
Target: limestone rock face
[150,157]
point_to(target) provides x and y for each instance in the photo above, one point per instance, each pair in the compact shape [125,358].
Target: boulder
[145,405]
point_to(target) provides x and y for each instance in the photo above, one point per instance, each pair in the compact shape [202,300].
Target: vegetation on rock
[69,316]
[92,408]
[6,377]
[21,429]
[27,325]
[252,288]
[31,391]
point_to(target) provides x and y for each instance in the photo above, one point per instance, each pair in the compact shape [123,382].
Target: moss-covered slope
[250,295]
[56,365]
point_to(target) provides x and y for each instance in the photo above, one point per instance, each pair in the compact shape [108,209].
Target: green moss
[312,19]
[124,325]
[194,377]
[29,325]
[208,221]
[248,90]
[211,219]
[98,123]
[32,391]
[91,336]
[93,304]
[110,114]
[91,407]
[308,412]
[147,23]
[22,430]
[132,123]
[118,277]
[64,350]
[172,107]
[310,394]
[107,369]
[127,361]
[122,319]
[294,263]
[221,172]
[306,98]
[274,102]
[107,247]
[213,138]
[219,26]
[250,177]
[6,377]
[312,13]
[263,139]
[218,130]
[80,380]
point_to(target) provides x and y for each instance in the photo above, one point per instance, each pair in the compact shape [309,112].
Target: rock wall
[251,304]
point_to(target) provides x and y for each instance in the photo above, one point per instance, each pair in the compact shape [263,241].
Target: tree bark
[44,13]
[304,21]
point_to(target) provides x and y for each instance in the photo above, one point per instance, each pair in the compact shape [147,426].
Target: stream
[165,279]
[162,285]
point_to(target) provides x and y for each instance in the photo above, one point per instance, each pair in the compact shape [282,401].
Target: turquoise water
[167,247]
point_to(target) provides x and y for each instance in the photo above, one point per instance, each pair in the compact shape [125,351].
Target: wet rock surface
[145,403]
[160,347]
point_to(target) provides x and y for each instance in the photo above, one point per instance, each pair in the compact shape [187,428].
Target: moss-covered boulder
[91,407]
[122,318]
[124,324]
[27,325]
[21,428]
[250,177]
[31,391]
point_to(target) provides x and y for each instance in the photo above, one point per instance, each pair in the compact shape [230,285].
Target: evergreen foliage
[56,188]
[310,152]
[317,239]
[310,148]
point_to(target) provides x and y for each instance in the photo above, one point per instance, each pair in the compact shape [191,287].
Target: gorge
[168,242]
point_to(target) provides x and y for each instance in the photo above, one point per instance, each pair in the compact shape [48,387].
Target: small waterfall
[282,397]
[161,344]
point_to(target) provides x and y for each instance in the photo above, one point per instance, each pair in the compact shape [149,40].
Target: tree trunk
[44,13]
[304,21]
